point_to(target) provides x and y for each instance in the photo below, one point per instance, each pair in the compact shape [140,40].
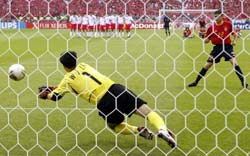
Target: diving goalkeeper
[113,100]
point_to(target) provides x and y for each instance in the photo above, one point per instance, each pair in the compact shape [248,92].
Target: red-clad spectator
[187,33]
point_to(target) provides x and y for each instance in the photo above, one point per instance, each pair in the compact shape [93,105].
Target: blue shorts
[220,51]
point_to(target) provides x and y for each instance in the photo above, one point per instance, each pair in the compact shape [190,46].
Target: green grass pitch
[212,119]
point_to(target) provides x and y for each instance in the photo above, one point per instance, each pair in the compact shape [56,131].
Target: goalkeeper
[113,100]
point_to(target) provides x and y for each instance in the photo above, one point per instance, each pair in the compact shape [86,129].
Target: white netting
[212,119]
[182,18]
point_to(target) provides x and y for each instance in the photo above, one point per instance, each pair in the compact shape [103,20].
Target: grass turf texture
[212,119]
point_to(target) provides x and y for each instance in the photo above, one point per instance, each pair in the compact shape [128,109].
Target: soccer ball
[16,72]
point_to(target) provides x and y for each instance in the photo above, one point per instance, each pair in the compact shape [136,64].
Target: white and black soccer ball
[16,72]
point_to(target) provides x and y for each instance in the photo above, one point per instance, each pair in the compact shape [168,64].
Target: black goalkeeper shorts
[118,101]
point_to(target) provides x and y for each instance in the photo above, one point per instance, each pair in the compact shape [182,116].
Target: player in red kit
[202,24]
[219,34]
[187,33]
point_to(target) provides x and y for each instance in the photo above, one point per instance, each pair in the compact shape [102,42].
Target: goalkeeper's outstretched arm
[49,92]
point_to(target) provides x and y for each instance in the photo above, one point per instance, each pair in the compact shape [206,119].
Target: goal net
[211,119]
[182,18]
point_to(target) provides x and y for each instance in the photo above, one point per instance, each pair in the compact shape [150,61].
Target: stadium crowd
[140,9]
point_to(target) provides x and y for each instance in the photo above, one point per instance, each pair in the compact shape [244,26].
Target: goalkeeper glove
[44,91]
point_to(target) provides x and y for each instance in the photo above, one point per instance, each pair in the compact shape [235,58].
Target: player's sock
[201,74]
[240,75]
[166,33]
[156,120]
[126,129]
[128,34]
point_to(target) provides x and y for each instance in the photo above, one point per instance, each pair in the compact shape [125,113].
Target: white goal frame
[183,12]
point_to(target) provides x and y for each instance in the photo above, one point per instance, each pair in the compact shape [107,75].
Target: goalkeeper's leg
[127,129]
[158,122]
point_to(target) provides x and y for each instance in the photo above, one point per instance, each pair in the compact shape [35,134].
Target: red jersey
[217,33]
[227,19]
[187,32]
[203,30]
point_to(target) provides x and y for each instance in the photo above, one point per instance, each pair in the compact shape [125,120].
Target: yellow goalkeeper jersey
[86,82]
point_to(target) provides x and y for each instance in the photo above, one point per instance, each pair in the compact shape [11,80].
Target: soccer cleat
[193,84]
[171,134]
[244,85]
[145,133]
[167,137]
